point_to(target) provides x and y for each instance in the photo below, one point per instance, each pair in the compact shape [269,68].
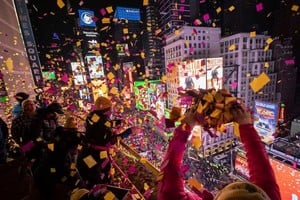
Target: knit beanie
[102,103]
[242,191]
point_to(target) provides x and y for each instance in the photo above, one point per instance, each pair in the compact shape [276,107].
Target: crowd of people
[82,163]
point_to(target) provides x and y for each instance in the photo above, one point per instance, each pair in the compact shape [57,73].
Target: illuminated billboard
[78,72]
[122,49]
[202,73]
[132,14]
[95,66]
[288,178]
[149,96]
[86,18]
[265,119]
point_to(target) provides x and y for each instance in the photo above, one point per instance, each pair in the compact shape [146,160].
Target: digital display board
[95,66]
[47,75]
[86,18]
[265,119]
[132,14]
[149,96]
[288,178]
[201,73]
[78,72]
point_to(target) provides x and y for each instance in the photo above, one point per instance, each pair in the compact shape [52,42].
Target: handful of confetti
[213,108]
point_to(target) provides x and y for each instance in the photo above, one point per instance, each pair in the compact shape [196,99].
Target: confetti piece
[109,9]
[252,34]
[231,8]
[295,8]
[269,40]
[95,118]
[60,3]
[107,124]
[51,146]
[218,10]
[109,196]
[102,11]
[259,82]
[89,161]
[146,186]
[231,47]
[193,182]
[105,20]
[52,170]
[206,17]
[103,154]
[145,2]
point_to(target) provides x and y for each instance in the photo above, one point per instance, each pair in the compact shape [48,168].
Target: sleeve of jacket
[171,186]
[260,169]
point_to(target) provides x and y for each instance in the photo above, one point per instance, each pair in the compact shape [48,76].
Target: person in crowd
[55,170]
[3,141]
[262,183]
[20,128]
[45,121]
[17,109]
[94,161]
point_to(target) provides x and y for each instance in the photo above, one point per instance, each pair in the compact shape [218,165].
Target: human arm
[172,185]
[260,169]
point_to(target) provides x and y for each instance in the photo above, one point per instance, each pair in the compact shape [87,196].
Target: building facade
[245,58]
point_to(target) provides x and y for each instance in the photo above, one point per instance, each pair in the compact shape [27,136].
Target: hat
[102,103]
[55,107]
[21,96]
[243,191]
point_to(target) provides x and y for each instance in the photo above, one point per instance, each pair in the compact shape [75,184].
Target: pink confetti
[259,7]
[131,170]
[234,84]
[102,11]
[289,62]
[181,9]
[206,17]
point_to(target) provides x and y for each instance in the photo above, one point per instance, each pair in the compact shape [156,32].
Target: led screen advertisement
[201,73]
[288,178]
[95,66]
[149,96]
[79,74]
[132,14]
[265,119]
[86,18]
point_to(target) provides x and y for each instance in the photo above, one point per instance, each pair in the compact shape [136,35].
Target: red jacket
[172,184]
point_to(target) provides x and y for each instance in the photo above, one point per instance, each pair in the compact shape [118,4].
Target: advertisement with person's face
[202,74]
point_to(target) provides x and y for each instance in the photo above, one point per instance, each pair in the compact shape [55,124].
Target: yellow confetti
[193,182]
[197,142]
[145,2]
[110,76]
[51,146]
[219,9]
[266,64]
[125,31]
[9,64]
[109,196]
[109,9]
[252,34]
[295,8]
[103,154]
[60,3]
[269,41]
[52,170]
[95,118]
[107,124]
[231,47]
[89,161]
[146,186]
[231,8]
[105,20]
[266,48]
[259,82]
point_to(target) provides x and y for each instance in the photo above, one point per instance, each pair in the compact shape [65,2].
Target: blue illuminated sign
[86,18]
[132,14]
